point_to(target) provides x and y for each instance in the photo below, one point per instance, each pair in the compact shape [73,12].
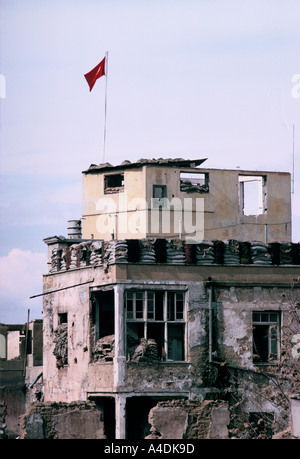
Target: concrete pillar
[120,401]
[119,359]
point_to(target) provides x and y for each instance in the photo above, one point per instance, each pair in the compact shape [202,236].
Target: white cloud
[21,277]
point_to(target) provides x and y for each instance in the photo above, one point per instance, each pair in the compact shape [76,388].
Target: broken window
[194,182]
[266,336]
[63,318]
[103,322]
[252,195]
[61,340]
[155,325]
[113,183]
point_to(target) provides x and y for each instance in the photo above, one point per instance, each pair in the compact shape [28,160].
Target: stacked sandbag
[205,253]
[116,251]
[65,259]
[55,260]
[83,254]
[147,252]
[286,253]
[260,253]
[74,262]
[152,350]
[95,257]
[175,252]
[231,252]
[145,352]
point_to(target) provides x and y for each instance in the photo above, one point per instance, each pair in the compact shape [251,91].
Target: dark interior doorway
[106,405]
[137,411]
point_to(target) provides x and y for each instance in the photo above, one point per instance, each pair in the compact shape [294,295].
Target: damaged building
[171,309]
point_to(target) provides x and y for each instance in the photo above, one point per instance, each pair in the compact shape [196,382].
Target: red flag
[96,73]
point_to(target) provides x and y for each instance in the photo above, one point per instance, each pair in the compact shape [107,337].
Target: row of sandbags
[175,251]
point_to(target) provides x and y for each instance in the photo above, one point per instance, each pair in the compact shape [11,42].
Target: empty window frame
[266,336]
[252,194]
[62,318]
[194,182]
[113,183]
[157,315]
[103,317]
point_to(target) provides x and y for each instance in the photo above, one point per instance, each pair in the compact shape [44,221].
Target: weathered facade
[176,312]
[135,333]
[131,200]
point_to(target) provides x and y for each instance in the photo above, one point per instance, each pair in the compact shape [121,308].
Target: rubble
[61,345]
[104,349]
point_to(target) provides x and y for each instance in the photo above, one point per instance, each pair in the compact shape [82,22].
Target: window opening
[106,407]
[252,195]
[194,182]
[155,325]
[113,183]
[265,337]
[159,196]
[62,318]
[103,303]
[103,326]
[61,340]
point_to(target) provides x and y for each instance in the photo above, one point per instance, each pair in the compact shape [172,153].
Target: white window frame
[132,293]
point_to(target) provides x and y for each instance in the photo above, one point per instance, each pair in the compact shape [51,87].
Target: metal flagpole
[105,105]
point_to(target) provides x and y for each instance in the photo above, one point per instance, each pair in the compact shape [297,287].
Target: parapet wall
[71,255]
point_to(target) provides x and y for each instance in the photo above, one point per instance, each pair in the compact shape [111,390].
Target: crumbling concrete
[295,415]
[179,419]
[62,421]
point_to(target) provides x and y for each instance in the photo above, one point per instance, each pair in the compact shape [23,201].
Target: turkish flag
[96,73]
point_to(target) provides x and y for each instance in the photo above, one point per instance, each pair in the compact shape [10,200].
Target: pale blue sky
[193,79]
